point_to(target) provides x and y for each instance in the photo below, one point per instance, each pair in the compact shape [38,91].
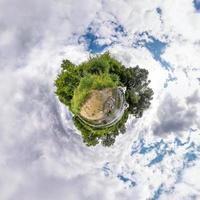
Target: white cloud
[41,157]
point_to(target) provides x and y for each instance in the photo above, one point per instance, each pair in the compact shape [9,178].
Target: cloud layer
[42,155]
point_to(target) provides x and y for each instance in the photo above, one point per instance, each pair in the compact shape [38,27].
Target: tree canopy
[75,82]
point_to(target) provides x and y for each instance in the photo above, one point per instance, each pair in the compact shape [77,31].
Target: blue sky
[197,5]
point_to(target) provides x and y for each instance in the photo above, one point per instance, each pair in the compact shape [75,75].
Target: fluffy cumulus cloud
[42,155]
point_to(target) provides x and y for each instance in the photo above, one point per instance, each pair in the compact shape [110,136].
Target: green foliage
[74,84]
[66,83]
[96,65]
[106,135]
[138,94]
[68,66]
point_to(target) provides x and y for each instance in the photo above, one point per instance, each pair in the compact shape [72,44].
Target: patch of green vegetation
[92,136]
[88,83]
[74,83]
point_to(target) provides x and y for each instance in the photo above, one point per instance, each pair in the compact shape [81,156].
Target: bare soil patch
[93,108]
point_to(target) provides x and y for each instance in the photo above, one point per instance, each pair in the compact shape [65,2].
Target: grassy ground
[87,84]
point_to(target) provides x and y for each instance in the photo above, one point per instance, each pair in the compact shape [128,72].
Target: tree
[108,140]
[74,83]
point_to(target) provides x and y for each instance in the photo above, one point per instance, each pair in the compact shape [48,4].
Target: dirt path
[93,107]
[95,111]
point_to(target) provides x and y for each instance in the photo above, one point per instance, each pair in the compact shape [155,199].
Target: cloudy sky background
[42,155]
